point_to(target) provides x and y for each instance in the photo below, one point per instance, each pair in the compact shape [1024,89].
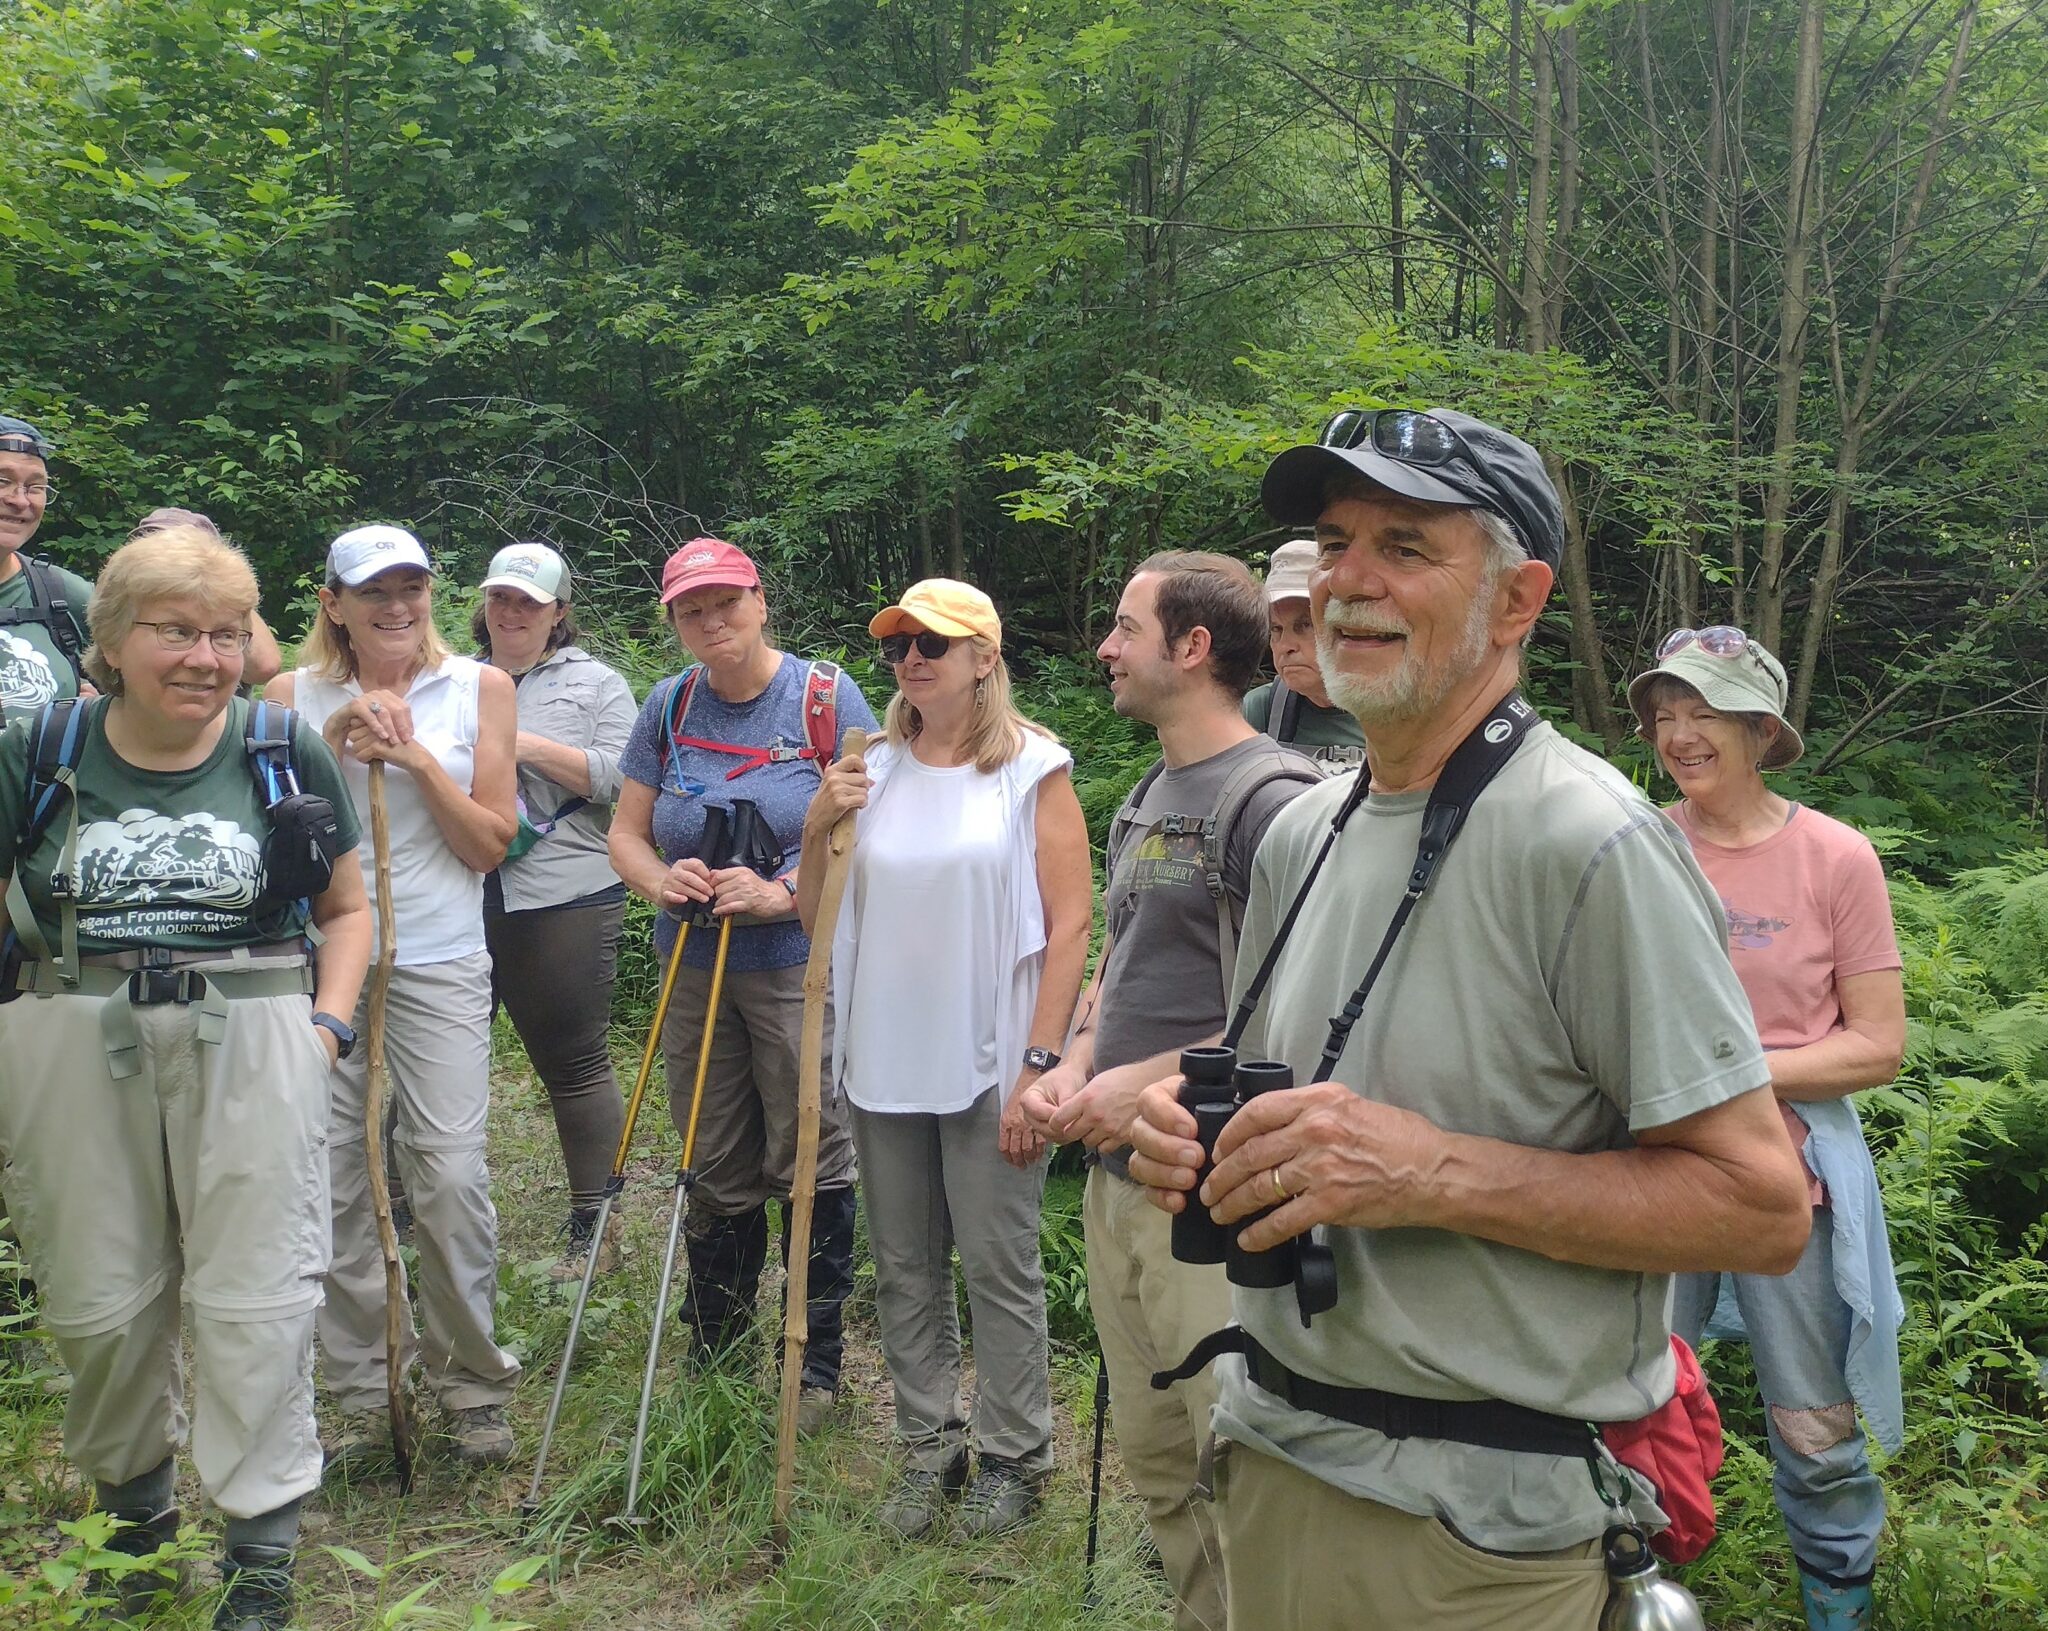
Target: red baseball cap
[705,563]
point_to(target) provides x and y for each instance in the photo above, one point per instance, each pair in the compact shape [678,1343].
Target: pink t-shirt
[1806,907]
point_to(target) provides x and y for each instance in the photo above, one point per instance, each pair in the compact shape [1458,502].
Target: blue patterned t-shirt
[694,778]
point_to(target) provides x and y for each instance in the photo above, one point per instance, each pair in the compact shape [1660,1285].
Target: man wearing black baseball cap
[42,607]
[1544,1096]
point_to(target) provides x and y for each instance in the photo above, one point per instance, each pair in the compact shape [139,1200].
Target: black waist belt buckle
[154,984]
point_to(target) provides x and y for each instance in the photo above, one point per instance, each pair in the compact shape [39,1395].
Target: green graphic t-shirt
[168,858]
[32,666]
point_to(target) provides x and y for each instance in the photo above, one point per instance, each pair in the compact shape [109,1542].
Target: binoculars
[1214,1086]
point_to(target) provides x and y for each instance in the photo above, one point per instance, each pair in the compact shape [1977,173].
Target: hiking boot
[138,1591]
[726,1255]
[579,1233]
[831,1280]
[914,1507]
[480,1435]
[359,1446]
[1002,1497]
[815,1407]
[259,1589]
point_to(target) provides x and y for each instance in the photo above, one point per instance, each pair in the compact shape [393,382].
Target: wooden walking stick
[373,1130]
[796,1324]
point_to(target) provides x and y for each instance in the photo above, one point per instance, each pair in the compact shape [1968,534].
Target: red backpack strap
[821,710]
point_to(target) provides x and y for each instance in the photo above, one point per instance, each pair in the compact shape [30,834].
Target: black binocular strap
[1477,760]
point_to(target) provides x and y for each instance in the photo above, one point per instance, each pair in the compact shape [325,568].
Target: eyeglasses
[1720,640]
[896,647]
[183,637]
[29,489]
[1427,442]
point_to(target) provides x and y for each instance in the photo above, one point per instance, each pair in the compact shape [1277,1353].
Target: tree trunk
[1591,684]
[1795,310]
[1503,296]
[1535,253]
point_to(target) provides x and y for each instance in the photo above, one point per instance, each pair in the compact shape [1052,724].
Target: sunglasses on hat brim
[1716,640]
[1412,437]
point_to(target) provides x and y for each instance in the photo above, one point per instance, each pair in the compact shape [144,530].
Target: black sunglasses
[1421,439]
[896,647]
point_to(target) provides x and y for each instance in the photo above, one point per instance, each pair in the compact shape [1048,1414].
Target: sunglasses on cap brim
[930,646]
[1718,640]
[1410,436]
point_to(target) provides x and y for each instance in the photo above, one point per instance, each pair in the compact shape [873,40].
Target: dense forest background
[1020,292]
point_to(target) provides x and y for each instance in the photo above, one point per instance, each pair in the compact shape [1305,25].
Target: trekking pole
[614,1187]
[1088,1597]
[373,1131]
[685,1180]
[810,1093]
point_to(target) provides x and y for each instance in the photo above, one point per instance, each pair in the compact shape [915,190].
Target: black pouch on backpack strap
[299,854]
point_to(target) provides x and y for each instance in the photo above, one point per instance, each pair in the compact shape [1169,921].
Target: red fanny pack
[1678,1449]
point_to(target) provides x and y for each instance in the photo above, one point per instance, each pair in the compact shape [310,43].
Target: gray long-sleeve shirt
[572,698]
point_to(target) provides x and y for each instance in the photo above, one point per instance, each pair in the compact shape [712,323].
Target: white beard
[1413,689]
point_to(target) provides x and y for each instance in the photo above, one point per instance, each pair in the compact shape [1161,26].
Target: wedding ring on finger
[1280,1190]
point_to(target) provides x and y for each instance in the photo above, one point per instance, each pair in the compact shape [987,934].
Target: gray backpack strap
[1117,841]
[1272,763]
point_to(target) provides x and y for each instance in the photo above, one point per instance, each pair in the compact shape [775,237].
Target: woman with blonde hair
[956,965]
[163,1075]
[377,680]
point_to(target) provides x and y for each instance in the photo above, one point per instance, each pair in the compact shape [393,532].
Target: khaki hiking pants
[204,1178]
[437,1054]
[1305,1556]
[1149,1311]
[746,1129]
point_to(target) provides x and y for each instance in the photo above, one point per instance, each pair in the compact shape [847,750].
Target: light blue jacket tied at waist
[1837,1155]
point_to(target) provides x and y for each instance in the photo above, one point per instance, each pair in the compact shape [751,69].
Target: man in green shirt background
[1294,707]
[42,607]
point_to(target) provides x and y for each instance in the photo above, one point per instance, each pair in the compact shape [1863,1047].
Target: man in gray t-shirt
[1553,1098]
[1189,636]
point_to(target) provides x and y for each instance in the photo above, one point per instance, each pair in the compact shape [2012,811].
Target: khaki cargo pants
[203,1176]
[1304,1556]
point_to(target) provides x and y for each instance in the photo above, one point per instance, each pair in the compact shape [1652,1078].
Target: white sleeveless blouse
[439,902]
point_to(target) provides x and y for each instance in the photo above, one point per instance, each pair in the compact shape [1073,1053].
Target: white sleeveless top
[941,938]
[439,902]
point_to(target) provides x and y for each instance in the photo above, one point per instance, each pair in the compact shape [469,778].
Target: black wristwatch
[342,1034]
[1040,1059]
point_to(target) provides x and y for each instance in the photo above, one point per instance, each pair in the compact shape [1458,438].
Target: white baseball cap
[1288,568]
[359,554]
[535,570]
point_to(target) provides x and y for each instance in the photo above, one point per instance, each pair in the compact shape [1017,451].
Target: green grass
[1960,1141]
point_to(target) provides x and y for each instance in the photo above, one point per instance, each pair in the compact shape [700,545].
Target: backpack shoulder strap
[46,593]
[56,744]
[267,736]
[821,710]
[675,708]
[1285,719]
[1271,763]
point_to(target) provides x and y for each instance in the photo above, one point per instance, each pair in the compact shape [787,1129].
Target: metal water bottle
[1639,1598]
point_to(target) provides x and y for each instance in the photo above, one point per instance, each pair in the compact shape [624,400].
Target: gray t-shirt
[1564,984]
[1162,978]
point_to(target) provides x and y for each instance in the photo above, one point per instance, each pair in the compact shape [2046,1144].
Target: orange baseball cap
[943,605]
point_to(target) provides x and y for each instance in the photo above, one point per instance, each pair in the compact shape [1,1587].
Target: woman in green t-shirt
[163,1092]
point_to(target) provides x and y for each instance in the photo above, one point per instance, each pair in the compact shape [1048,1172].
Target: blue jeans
[1799,1335]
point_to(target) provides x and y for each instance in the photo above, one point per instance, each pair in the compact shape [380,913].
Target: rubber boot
[831,1282]
[1832,1607]
[259,1589]
[140,1590]
[726,1257]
